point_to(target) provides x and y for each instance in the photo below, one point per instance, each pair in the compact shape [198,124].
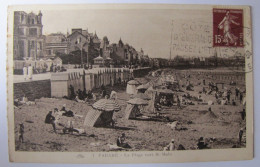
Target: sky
[149,29]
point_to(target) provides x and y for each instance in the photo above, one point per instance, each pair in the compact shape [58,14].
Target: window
[22,17]
[33,44]
[33,31]
[21,31]
[40,43]
[21,48]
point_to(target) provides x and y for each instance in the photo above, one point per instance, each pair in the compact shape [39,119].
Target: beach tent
[164,92]
[101,113]
[132,108]
[131,87]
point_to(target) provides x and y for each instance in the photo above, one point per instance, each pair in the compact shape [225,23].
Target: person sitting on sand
[200,98]
[158,107]
[56,110]
[68,114]
[50,119]
[170,146]
[63,108]
[181,147]
[17,103]
[120,142]
[77,99]
[79,94]
[94,97]
[224,101]
[24,99]
[86,99]
[201,144]
[233,102]
[113,95]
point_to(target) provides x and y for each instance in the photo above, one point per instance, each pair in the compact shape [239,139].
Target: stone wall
[33,89]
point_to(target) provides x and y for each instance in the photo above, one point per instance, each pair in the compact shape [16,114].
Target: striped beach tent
[106,105]
[101,113]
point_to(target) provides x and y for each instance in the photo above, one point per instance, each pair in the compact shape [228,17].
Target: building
[98,62]
[121,53]
[105,48]
[95,42]
[56,43]
[28,38]
[78,39]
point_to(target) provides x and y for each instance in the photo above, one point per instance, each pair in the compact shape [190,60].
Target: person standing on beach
[120,142]
[21,132]
[178,102]
[241,97]
[237,92]
[240,135]
[50,119]
[243,114]
[25,72]
[30,72]
[170,146]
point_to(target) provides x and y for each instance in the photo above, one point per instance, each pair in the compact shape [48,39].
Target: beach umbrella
[142,96]
[137,101]
[133,82]
[106,105]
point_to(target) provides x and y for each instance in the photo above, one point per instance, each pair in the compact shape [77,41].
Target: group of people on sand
[86,96]
[201,144]
[172,146]
[24,100]
[224,97]
[81,96]
[53,118]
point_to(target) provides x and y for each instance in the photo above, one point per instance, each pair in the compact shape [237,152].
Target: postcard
[129,83]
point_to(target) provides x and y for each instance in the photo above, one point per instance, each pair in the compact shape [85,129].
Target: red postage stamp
[228,27]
